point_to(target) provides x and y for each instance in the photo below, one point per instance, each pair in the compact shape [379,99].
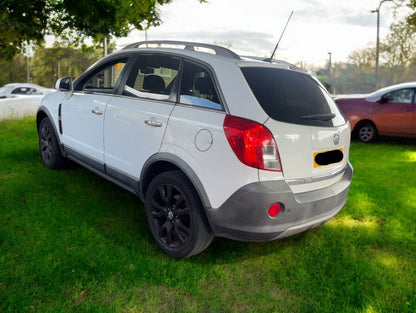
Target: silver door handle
[97,112]
[153,123]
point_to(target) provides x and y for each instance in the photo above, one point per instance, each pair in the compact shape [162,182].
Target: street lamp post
[28,53]
[378,37]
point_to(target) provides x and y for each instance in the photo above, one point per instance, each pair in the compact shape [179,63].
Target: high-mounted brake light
[297,68]
[252,143]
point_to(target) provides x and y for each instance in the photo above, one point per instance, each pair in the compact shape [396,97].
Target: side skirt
[120,179]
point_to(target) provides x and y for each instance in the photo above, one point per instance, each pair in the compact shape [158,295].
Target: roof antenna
[275,48]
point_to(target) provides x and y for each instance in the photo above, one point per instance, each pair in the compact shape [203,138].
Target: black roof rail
[187,46]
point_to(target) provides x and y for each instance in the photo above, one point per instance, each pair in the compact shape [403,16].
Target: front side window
[105,80]
[400,96]
[153,77]
[197,87]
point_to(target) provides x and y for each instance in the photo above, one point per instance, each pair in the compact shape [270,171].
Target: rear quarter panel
[196,136]
[355,110]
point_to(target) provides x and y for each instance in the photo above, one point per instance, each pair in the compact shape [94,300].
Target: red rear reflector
[274,209]
[252,143]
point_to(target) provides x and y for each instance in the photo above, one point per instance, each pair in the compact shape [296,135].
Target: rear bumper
[244,215]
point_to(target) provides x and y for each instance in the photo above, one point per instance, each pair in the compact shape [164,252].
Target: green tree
[411,19]
[363,63]
[49,64]
[398,51]
[30,20]
[14,71]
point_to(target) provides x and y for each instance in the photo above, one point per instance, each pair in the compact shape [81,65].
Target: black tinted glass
[289,96]
[197,87]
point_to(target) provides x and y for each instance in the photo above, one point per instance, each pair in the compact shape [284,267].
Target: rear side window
[291,97]
[197,87]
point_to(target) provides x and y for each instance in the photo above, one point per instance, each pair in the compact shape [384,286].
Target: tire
[175,215]
[49,147]
[366,132]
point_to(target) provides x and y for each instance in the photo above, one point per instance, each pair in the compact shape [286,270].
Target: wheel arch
[40,115]
[163,162]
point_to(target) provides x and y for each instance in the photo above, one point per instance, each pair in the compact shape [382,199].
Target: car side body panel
[82,117]
[205,148]
[355,110]
[394,118]
[133,131]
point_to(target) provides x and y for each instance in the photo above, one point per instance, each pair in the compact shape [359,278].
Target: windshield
[292,97]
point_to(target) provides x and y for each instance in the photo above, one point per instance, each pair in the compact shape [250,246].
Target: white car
[18,100]
[15,90]
[212,143]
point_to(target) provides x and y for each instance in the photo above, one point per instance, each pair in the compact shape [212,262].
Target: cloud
[253,27]
[242,41]
[365,20]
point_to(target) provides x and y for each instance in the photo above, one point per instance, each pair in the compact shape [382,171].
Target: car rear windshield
[291,97]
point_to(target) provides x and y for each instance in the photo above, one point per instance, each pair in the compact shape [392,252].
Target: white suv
[213,144]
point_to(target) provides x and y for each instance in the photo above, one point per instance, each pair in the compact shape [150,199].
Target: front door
[82,124]
[83,113]
[394,114]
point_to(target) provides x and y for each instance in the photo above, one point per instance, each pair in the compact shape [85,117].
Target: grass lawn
[72,242]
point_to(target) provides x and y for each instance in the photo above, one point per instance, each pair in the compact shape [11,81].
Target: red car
[389,112]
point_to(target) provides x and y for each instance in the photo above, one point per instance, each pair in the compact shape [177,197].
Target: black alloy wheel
[48,146]
[175,216]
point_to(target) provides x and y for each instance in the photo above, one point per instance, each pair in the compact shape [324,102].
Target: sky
[253,27]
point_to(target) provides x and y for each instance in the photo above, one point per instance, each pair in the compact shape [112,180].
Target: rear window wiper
[318,117]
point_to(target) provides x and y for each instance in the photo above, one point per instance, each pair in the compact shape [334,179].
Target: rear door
[136,120]
[312,136]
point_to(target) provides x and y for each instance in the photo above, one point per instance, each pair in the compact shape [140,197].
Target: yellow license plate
[325,158]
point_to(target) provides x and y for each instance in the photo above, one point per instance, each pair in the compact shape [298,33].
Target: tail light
[252,143]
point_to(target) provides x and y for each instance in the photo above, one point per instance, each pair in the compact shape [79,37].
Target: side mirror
[64,84]
[384,99]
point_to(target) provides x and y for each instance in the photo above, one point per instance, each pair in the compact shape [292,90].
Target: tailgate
[312,157]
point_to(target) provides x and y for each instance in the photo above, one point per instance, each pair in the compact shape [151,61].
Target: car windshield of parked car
[292,97]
